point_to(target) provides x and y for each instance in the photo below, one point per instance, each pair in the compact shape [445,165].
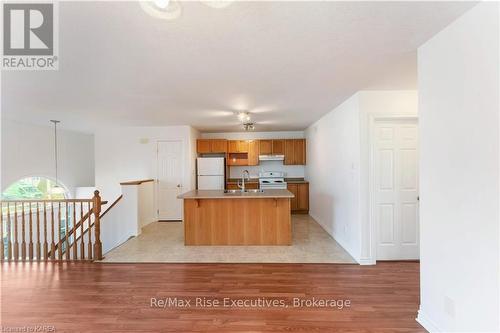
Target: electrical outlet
[449,306]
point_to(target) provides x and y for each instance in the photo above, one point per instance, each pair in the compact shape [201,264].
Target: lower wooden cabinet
[300,203]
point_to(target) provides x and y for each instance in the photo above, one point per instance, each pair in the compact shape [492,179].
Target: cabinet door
[203,146]
[219,146]
[279,147]
[299,151]
[289,152]
[302,196]
[253,152]
[242,146]
[293,202]
[266,147]
[232,146]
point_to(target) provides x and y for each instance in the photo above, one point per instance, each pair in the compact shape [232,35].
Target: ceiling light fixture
[162,9]
[172,9]
[243,116]
[249,126]
[162,4]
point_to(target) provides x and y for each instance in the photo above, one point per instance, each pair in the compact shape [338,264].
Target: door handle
[179,185]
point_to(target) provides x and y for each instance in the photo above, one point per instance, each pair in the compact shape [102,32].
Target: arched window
[33,188]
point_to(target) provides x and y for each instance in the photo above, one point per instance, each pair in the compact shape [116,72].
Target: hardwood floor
[85,297]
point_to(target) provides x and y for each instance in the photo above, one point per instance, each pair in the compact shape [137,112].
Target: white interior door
[170,176]
[396,189]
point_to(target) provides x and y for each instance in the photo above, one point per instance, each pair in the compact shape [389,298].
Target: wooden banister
[38,229]
[112,205]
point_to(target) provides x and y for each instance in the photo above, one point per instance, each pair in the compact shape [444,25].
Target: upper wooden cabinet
[266,147]
[206,146]
[293,149]
[253,152]
[237,146]
[219,146]
[203,146]
[275,147]
[278,147]
[295,152]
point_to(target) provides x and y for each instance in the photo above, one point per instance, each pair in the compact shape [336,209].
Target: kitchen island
[218,217]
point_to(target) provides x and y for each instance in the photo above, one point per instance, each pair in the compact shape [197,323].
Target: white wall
[458,72]
[129,153]
[295,171]
[130,214]
[333,172]
[28,150]
[338,166]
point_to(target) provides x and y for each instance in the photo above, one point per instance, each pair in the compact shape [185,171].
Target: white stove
[272,180]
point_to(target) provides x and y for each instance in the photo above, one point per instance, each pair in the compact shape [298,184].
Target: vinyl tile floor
[164,242]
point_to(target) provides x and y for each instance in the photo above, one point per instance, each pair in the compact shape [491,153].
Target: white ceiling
[286,62]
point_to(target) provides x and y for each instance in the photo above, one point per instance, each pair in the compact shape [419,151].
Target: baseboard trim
[367,261]
[334,236]
[427,323]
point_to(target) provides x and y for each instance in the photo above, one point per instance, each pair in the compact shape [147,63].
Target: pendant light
[56,189]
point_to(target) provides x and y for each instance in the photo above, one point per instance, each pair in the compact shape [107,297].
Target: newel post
[97,225]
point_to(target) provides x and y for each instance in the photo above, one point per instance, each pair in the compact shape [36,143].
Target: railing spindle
[23,234]
[66,233]
[16,244]
[82,243]
[30,247]
[9,234]
[53,235]
[75,247]
[59,232]
[97,226]
[2,254]
[38,244]
[90,248]
[45,244]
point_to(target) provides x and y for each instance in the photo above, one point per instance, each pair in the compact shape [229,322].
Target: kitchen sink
[232,191]
[246,191]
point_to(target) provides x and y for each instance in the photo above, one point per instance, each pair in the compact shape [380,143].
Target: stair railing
[56,230]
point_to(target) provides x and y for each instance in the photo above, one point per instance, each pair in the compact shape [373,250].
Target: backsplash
[292,171]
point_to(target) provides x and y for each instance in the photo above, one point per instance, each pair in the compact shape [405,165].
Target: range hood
[271,157]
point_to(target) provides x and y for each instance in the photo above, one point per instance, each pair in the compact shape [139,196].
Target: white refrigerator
[210,173]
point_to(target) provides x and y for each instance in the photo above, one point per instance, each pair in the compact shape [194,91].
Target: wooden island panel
[253,221]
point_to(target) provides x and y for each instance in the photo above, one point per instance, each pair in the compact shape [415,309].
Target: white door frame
[372,120]
[157,180]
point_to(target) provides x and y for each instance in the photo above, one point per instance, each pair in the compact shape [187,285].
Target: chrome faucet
[242,186]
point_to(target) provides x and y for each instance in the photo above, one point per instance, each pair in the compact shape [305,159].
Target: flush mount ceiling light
[163,9]
[172,9]
[243,116]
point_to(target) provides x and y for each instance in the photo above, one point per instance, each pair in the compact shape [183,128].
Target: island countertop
[219,194]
